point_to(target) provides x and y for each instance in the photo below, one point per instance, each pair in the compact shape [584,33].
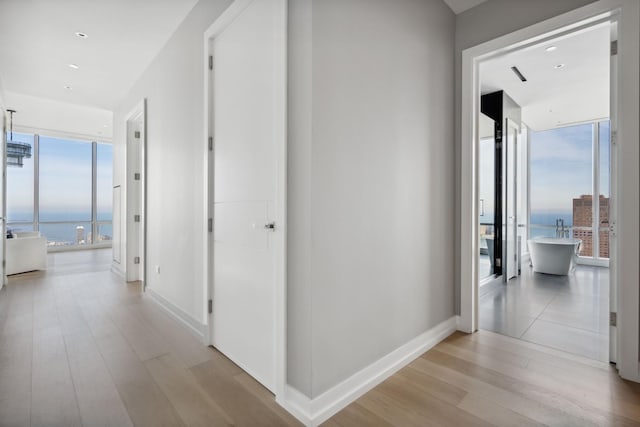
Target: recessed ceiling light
[67,87]
[551,48]
[105,126]
[74,66]
[558,66]
[81,35]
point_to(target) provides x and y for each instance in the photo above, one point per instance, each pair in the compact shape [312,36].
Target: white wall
[482,23]
[371,182]
[173,87]
[54,118]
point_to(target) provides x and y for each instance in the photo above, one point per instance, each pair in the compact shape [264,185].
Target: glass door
[510,188]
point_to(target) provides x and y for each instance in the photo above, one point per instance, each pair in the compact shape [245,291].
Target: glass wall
[562,176]
[20,190]
[60,181]
[104,191]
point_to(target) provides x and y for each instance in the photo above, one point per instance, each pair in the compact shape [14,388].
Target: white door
[135,195]
[248,207]
[510,258]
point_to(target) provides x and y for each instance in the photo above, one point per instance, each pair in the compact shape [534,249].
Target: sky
[561,168]
[65,179]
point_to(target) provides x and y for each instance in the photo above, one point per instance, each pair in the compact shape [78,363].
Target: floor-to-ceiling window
[63,191]
[569,185]
[20,190]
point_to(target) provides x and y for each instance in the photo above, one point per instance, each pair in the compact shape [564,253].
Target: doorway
[246,168]
[586,17]
[557,301]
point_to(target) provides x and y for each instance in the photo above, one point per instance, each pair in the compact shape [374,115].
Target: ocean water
[67,233]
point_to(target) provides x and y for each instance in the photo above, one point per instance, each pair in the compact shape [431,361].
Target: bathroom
[544,186]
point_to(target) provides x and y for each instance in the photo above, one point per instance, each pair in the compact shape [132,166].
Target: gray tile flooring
[569,313]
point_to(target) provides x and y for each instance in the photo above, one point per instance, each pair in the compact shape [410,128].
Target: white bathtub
[553,256]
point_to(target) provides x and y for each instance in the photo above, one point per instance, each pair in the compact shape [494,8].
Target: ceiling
[459,6]
[553,97]
[38,42]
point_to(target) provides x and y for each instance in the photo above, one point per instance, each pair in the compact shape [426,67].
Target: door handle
[271,226]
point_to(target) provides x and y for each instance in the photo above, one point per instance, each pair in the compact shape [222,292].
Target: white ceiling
[38,42]
[459,6]
[552,97]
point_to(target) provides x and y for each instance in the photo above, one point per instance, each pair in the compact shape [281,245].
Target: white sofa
[26,251]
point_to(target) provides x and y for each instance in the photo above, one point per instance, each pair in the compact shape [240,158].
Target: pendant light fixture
[16,151]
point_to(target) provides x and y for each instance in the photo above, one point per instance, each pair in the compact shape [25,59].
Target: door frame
[3,221]
[280,117]
[627,14]
[136,241]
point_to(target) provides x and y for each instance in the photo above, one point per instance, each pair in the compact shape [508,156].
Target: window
[104,191]
[563,173]
[59,182]
[20,190]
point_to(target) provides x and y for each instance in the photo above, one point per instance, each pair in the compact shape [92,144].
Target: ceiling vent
[519,74]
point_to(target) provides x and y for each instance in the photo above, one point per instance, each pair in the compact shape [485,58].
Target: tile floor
[569,313]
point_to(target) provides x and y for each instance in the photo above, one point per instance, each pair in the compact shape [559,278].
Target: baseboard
[313,412]
[117,271]
[196,328]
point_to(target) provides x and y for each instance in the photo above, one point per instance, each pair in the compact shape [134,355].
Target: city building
[583,217]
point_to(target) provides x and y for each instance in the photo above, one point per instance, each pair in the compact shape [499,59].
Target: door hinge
[136,134]
[4,263]
[136,218]
[613,318]
[210,143]
[498,262]
[614,137]
[136,176]
[136,260]
[210,306]
[211,62]
[614,47]
[210,225]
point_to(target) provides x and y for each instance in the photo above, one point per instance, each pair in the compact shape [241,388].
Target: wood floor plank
[356,415]
[98,398]
[548,396]
[15,379]
[181,344]
[144,340]
[494,414]
[145,402]
[244,408]
[265,396]
[428,405]
[193,405]
[53,396]
[522,405]
[595,395]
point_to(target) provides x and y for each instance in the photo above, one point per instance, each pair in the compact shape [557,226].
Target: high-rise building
[583,217]
[79,235]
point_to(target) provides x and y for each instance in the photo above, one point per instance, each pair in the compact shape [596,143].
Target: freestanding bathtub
[553,256]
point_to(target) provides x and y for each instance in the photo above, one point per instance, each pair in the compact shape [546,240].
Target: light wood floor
[489,379]
[78,346]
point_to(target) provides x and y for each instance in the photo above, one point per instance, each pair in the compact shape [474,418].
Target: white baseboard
[117,271]
[313,412]
[196,328]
